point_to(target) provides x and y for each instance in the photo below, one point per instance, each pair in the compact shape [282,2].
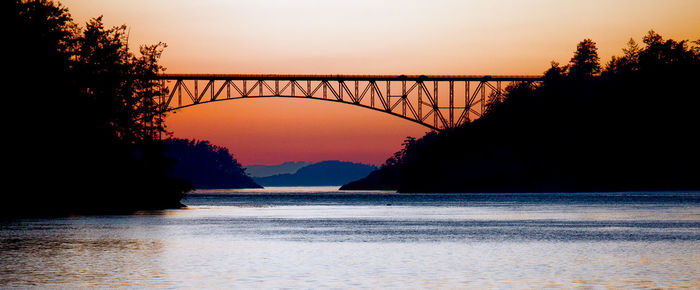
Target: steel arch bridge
[438,102]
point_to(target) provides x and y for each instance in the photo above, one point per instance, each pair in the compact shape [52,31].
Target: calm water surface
[323,238]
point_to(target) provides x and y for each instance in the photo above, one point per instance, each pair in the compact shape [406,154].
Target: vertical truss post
[211,93]
[357,90]
[483,97]
[420,101]
[341,83]
[245,89]
[179,94]
[437,107]
[467,104]
[277,87]
[388,93]
[325,89]
[403,97]
[452,103]
[371,93]
[196,92]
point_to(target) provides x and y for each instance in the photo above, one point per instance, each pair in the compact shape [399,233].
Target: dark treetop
[630,126]
[207,166]
[82,138]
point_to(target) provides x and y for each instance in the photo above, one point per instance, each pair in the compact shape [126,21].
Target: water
[323,238]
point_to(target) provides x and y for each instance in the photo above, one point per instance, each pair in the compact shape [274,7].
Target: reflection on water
[75,252]
[323,238]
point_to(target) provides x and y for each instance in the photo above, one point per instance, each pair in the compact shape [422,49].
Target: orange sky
[363,37]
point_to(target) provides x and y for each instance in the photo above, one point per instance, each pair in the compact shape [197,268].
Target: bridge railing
[435,101]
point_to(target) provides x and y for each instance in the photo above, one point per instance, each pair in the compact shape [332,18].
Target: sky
[487,37]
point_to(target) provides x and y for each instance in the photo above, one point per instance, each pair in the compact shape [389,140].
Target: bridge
[438,102]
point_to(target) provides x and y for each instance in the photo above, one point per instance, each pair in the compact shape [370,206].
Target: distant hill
[269,170]
[319,174]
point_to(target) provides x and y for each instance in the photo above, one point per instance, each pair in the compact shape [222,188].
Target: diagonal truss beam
[432,101]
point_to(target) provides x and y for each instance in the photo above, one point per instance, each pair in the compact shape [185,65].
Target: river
[319,237]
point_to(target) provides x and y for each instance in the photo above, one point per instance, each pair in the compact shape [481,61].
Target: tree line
[629,125]
[83,127]
[207,166]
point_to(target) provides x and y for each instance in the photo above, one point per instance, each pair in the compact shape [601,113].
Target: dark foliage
[632,126]
[206,165]
[384,178]
[82,126]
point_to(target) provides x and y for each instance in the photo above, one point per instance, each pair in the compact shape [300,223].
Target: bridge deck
[436,101]
[351,77]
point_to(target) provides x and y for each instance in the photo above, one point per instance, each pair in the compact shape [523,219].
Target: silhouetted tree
[629,62]
[207,166]
[87,117]
[585,62]
[629,127]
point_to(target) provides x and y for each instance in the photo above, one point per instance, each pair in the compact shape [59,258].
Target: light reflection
[85,255]
[505,245]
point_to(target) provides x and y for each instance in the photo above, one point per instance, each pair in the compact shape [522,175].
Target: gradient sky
[363,37]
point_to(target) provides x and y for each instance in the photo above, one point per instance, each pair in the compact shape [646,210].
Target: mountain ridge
[289,167]
[324,173]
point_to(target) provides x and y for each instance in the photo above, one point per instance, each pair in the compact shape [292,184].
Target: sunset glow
[363,37]
[391,144]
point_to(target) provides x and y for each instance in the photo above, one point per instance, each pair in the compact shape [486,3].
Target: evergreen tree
[629,127]
[89,117]
[585,63]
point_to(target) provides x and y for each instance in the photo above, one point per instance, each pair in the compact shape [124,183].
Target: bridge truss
[438,102]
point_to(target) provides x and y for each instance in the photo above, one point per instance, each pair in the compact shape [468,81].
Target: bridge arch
[303,98]
[437,102]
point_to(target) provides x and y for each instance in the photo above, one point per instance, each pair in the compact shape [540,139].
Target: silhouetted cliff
[629,126]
